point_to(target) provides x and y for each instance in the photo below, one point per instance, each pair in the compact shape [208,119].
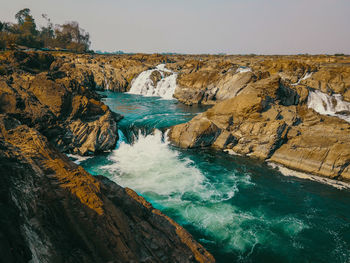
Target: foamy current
[165,88]
[239,209]
[332,105]
[152,168]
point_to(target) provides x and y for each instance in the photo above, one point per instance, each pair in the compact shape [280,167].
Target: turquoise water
[240,210]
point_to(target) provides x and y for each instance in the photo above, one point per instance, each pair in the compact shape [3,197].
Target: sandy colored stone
[63,214]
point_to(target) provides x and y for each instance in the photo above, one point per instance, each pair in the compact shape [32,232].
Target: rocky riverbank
[52,210]
[269,108]
[289,110]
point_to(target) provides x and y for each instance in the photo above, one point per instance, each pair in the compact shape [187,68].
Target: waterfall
[144,85]
[307,76]
[332,105]
[243,70]
[106,83]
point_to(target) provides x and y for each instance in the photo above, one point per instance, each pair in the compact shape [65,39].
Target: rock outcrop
[68,113]
[268,118]
[105,72]
[211,79]
[54,211]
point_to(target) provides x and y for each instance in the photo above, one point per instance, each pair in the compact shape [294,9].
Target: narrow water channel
[239,209]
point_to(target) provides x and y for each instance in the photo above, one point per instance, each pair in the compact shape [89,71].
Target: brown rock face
[320,145]
[53,210]
[60,213]
[93,136]
[243,123]
[268,119]
[105,72]
[199,133]
[211,79]
[68,113]
[261,109]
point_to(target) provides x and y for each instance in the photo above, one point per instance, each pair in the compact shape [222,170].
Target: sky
[202,26]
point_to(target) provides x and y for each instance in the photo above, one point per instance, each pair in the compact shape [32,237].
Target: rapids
[239,209]
[165,88]
[332,105]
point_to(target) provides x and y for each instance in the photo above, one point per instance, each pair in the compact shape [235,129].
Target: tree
[27,29]
[25,33]
[71,36]
[47,33]
[21,15]
[2,41]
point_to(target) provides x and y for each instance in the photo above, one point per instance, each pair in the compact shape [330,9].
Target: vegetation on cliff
[26,33]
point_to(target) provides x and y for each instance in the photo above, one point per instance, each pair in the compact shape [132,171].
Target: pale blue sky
[202,26]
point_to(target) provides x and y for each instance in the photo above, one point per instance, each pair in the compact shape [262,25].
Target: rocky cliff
[105,72]
[52,210]
[263,109]
[208,79]
[67,112]
[290,110]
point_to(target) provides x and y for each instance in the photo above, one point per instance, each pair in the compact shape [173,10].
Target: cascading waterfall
[332,105]
[144,85]
[243,70]
[306,76]
[106,83]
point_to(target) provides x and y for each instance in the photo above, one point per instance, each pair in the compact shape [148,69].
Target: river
[241,210]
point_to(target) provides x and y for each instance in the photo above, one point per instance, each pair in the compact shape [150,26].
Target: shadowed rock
[60,213]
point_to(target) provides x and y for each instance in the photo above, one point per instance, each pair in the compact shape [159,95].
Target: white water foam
[165,88]
[332,105]
[159,172]
[77,158]
[307,76]
[243,70]
[288,172]
[149,165]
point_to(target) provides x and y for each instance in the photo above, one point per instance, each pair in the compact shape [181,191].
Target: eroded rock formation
[263,112]
[68,113]
[54,211]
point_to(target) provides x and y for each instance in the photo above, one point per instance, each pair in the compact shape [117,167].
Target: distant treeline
[25,33]
[119,52]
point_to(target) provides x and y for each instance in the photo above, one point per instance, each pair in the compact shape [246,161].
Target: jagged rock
[244,123]
[21,104]
[231,84]
[320,145]
[60,213]
[94,136]
[106,72]
[269,120]
[68,113]
[197,87]
[33,62]
[331,79]
[199,133]
[155,77]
